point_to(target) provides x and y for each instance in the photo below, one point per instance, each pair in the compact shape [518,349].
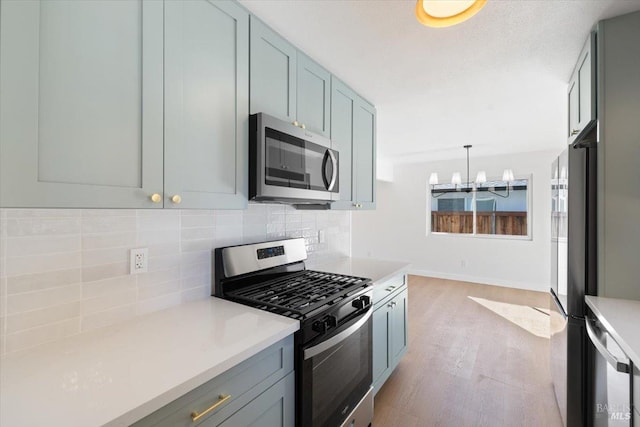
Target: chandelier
[469,186]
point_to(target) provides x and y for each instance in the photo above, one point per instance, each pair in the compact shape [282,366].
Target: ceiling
[497,81]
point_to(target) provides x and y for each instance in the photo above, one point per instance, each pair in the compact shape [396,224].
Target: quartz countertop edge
[117,375]
[378,271]
[621,319]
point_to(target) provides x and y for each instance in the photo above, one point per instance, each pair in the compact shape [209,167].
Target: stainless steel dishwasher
[612,387]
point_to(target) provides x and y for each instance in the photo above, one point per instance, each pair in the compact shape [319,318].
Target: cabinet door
[582,93]
[342,108]
[398,334]
[364,146]
[206,104]
[273,73]
[380,341]
[81,106]
[273,408]
[313,96]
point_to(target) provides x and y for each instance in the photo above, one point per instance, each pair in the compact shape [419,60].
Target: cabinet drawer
[383,291]
[242,383]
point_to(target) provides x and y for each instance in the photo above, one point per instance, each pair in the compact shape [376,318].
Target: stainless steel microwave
[289,164]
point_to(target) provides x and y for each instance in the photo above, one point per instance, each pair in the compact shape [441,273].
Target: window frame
[527,237]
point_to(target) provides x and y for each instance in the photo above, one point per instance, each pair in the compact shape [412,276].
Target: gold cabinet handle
[156,198]
[303,126]
[221,399]
[295,123]
[176,199]
[575,132]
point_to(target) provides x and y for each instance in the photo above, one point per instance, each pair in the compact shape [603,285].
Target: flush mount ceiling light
[445,13]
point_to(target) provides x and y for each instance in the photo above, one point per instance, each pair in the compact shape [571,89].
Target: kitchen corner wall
[65,271]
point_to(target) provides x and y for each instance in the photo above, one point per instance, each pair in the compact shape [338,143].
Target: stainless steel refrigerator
[595,241]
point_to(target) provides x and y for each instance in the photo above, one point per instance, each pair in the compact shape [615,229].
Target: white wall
[396,230]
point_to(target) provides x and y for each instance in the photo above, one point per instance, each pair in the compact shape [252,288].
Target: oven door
[292,164]
[336,374]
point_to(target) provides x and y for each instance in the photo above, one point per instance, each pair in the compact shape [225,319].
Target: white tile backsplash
[65,271]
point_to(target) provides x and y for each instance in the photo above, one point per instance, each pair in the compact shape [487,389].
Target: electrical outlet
[463,263]
[321,237]
[138,261]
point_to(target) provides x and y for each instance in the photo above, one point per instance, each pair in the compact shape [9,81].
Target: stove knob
[366,299]
[358,303]
[331,321]
[319,327]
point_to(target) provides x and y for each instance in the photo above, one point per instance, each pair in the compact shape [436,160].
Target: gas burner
[298,294]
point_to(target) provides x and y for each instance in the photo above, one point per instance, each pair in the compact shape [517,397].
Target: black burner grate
[300,292]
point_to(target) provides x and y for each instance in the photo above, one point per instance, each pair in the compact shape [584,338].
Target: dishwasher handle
[617,364]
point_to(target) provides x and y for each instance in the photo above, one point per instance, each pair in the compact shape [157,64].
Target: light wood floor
[478,356]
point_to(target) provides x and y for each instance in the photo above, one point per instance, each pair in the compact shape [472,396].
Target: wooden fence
[503,223]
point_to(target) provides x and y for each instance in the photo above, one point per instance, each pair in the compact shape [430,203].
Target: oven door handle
[325,345]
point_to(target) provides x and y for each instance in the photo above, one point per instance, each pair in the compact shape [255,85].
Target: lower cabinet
[258,391]
[273,408]
[389,333]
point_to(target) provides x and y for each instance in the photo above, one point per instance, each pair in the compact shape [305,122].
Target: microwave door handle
[334,169]
[327,183]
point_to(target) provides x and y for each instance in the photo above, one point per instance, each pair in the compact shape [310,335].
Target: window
[493,208]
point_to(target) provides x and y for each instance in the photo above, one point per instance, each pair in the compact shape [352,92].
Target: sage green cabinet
[314,96]
[353,133]
[582,91]
[273,408]
[260,389]
[206,104]
[343,104]
[272,74]
[82,103]
[390,339]
[286,83]
[106,104]
[364,154]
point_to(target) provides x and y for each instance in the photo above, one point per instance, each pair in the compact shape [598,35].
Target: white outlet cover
[139,260]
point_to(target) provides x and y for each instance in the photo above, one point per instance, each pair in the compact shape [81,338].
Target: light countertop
[376,270]
[119,374]
[621,318]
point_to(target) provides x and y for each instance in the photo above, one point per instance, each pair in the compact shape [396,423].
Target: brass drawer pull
[221,399]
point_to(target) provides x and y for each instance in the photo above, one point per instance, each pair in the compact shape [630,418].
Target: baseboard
[540,287]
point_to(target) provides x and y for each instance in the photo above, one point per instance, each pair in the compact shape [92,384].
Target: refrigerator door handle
[617,364]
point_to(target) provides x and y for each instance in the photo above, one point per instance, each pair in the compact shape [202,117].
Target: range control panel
[270,252]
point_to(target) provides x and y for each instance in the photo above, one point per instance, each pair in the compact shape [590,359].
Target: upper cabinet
[353,122]
[582,91]
[343,101]
[364,158]
[206,104]
[81,106]
[145,104]
[135,104]
[314,96]
[273,73]
[287,84]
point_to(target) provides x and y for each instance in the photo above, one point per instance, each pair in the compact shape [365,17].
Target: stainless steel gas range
[333,359]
